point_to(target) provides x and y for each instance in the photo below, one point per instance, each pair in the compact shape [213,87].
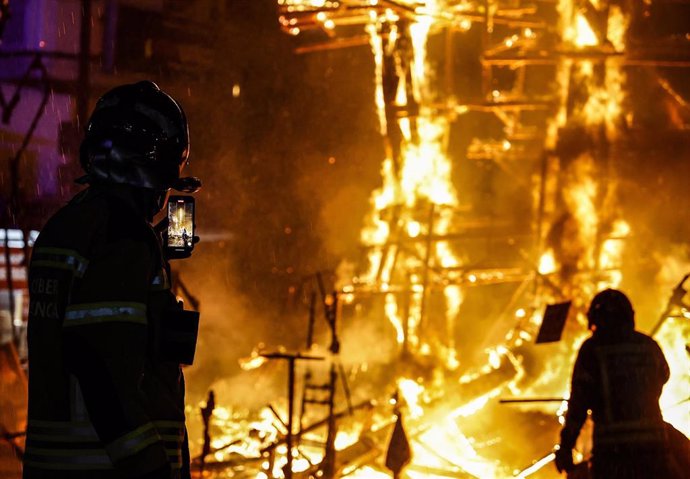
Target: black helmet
[611,310]
[137,135]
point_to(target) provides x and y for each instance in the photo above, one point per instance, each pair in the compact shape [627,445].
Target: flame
[617,27]
[391,310]
[426,169]
[611,253]
[418,179]
[547,263]
[475,405]
[575,29]
[416,204]
[603,105]
[584,36]
[582,246]
[411,392]
[675,399]
[563,69]
[446,444]
[368,472]
[377,51]
[254,361]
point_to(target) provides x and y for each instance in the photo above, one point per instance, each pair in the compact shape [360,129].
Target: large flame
[413,184]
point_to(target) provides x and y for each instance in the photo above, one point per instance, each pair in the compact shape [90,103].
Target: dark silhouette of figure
[103,403]
[618,376]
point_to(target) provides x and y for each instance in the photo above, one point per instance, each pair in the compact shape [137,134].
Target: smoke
[368,340]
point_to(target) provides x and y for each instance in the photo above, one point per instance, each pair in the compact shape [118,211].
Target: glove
[564,459]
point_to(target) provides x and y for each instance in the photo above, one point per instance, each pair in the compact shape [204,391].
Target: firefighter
[618,376]
[103,403]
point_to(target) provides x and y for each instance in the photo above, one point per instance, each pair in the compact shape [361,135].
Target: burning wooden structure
[553,89]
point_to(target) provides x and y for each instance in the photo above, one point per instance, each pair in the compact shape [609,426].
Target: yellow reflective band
[66,459]
[55,466]
[133,442]
[66,452]
[61,431]
[58,438]
[94,313]
[60,258]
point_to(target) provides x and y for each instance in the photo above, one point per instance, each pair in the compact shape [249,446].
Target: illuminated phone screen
[181,223]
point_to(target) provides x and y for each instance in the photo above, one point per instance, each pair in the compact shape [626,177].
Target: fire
[416,181]
[604,103]
[585,243]
[611,253]
[617,27]
[254,361]
[368,472]
[580,195]
[547,263]
[446,445]
[426,169]
[583,35]
[415,208]
[411,392]
[575,28]
[391,310]
[675,399]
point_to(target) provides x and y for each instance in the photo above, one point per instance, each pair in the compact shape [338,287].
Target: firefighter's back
[68,264]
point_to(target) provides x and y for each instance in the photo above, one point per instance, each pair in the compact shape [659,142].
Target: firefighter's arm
[581,389]
[105,333]
[578,404]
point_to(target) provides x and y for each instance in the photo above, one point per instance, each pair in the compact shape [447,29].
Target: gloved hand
[564,459]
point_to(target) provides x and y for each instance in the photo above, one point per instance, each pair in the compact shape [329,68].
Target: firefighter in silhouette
[103,403]
[618,376]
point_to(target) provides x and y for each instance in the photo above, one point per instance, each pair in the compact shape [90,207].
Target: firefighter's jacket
[619,377]
[101,405]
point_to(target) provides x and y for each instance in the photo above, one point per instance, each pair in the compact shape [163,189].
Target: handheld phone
[180,233]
